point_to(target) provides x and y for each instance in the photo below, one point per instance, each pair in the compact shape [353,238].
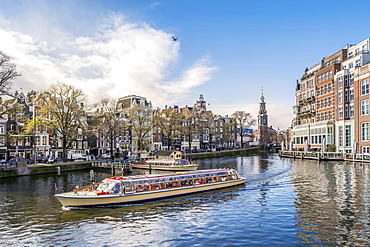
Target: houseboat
[167,165]
[119,190]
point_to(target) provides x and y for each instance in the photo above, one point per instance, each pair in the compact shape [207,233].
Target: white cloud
[154,5]
[117,60]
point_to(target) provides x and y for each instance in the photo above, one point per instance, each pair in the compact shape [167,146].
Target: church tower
[263,130]
[201,104]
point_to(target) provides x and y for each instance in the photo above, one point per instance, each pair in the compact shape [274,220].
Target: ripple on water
[283,204]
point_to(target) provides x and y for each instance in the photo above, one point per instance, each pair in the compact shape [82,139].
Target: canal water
[284,203]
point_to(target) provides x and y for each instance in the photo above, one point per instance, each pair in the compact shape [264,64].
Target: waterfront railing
[325,156]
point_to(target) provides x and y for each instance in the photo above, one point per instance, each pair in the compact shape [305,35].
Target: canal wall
[25,170]
[223,153]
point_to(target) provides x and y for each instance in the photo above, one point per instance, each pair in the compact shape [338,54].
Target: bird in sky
[174,39]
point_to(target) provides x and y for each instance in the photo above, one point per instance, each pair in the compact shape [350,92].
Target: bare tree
[140,122]
[210,123]
[65,105]
[243,121]
[189,124]
[7,74]
[111,121]
[170,122]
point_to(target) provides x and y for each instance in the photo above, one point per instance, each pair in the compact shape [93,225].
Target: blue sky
[227,50]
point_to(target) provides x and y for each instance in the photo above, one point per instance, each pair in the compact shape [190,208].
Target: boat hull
[77,200]
[166,168]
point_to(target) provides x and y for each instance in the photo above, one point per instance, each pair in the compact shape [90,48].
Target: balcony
[310,99]
[307,113]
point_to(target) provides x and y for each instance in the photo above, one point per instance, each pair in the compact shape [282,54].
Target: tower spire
[262,97]
[263,121]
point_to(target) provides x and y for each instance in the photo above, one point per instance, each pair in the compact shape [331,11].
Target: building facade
[332,97]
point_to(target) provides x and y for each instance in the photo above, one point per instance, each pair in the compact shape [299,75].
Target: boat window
[129,189]
[111,186]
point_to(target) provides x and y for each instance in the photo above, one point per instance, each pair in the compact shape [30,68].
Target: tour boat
[167,165]
[118,190]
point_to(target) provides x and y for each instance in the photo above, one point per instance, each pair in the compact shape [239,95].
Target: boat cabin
[167,154]
[125,185]
[172,162]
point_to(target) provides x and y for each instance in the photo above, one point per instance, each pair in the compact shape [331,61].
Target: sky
[229,51]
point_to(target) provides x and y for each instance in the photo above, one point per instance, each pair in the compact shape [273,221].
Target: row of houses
[332,103]
[45,141]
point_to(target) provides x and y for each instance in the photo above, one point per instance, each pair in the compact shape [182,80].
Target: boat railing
[315,155]
[177,182]
[111,163]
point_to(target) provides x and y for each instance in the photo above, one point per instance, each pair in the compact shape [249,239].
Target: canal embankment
[57,168]
[36,169]
[223,153]
[327,156]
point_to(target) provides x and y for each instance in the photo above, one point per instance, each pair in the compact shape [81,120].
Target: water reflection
[332,200]
[294,202]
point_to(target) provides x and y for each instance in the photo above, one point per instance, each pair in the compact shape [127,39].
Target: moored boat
[167,165]
[118,190]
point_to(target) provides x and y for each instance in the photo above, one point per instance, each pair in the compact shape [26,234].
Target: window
[351,79]
[340,97]
[340,134]
[365,107]
[351,94]
[346,80]
[346,96]
[364,87]
[346,112]
[365,131]
[340,81]
[330,74]
[340,112]
[365,150]
[351,110]
[358,63]
[350,65]
[348,136]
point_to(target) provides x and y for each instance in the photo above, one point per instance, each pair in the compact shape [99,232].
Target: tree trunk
[65,156]
[189,144]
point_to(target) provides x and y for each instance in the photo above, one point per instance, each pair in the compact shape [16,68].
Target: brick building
[332,99]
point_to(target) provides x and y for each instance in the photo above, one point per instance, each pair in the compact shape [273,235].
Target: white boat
[118,190]
[167,165]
